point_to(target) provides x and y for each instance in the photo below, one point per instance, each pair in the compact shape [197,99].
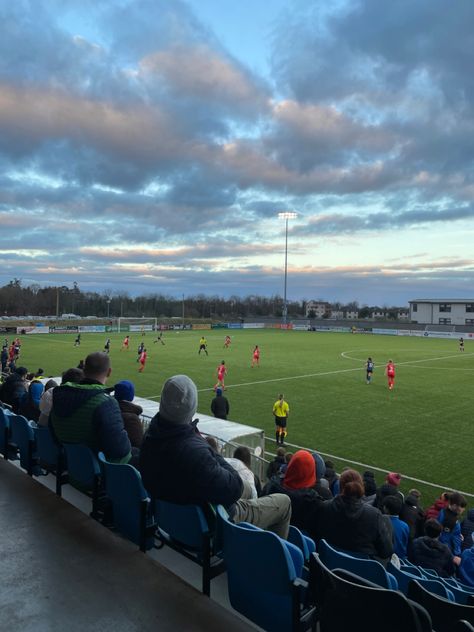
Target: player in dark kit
[140,350]
[461,344]
[369,367]
[107,346]
[77,341]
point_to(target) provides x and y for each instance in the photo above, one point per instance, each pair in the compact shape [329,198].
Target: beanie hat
[124,391]
[218,391]
[393,479]
[301,471]
[179,399]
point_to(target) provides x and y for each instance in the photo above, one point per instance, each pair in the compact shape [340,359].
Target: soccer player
[77,341]
[159,338]
[125,344]
[107,346]
[202,346]
[281,410]
[142,329]
[221,373]
[142,360]
[390,373]
[369,367]
[227,342]
[255,357]
[140,349]
[461,344]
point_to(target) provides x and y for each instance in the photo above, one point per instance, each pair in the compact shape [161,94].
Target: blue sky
[148,146]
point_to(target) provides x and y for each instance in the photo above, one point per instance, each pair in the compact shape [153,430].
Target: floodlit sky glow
[149,145]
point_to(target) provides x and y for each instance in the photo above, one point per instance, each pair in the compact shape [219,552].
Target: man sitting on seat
[85,413]
[178,465]
[429,552]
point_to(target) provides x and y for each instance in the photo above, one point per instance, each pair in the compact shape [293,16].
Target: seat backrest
[124,488]
[82,464]
[186,524]
[22,435]
[437,587]
[5,416]
[305,544]
[444,613]
[47,449]
[260,575]
[369,569]
[402,575]
[463,626]
[349,605]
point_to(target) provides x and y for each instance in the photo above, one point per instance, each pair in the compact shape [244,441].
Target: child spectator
[275,465]
[332,477]
[389,488]
[440,503]
[370,487]
[467,529]
[429,552]
[124,393]
[448,518]
[243,454]
[466,568]
[412,514]
[392,506]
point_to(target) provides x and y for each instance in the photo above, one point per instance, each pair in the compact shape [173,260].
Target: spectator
[14,388]
[448,518]
[243,453]
[220,405]
[29,404]
[46,402]
[440,503]
[370,487]
[86,413]
[413,514]
[275,465]
[389,488]
[429,552]
[467,529]
[299,484]
[178,465]
[332,477]
[124,393]
[242,464]
[349,523]
[466,568]
[4,359]
[392,506]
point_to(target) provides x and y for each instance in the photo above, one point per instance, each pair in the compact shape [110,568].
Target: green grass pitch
[423,428]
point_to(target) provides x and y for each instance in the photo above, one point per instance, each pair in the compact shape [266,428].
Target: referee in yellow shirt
[281,410]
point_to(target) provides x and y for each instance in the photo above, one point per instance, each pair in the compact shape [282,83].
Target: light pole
[109,300]
[286,215]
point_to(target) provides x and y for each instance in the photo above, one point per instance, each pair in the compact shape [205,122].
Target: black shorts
[281,422]
[202,347]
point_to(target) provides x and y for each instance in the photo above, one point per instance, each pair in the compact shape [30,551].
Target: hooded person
[124,393]
[299,484]
[391,487]
[178,465]
[321,485]
[350,524]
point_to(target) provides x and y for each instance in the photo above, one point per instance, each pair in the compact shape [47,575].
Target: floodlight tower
[286,215]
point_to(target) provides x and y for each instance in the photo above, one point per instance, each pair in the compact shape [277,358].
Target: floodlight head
[287,215]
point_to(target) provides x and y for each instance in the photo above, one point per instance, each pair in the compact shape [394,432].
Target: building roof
[442,300]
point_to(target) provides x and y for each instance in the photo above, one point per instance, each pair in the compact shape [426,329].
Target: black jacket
[178,465]
[305,506]
[220,407]
[12,391]
[351,524]
[430,553]
[414,516]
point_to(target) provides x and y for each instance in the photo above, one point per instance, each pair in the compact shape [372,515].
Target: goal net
[140,325]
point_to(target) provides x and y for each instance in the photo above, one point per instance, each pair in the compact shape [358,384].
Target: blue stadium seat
[346,601]
[22,438]
[263,580]
[50,454]
[444,613]
[187,530]
[369,569]
[5,416]
[84,472]
[131,506]
[303,542]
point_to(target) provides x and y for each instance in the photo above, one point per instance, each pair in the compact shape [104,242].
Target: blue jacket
[86,413]
[450,537]
[401,535]
[178,465]
[466,570]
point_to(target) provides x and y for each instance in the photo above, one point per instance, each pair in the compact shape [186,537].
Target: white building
[319,308]
[378,314]
[352,315]
[442,311]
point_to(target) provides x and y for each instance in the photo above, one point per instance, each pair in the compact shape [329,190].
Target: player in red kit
[255,357]
[125,343]
[142,360]
[390,373]
[227,342]
[221,373]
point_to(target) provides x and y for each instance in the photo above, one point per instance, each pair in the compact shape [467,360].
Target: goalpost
[140,325]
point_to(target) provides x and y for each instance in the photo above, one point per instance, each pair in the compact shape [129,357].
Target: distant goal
[137,325]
